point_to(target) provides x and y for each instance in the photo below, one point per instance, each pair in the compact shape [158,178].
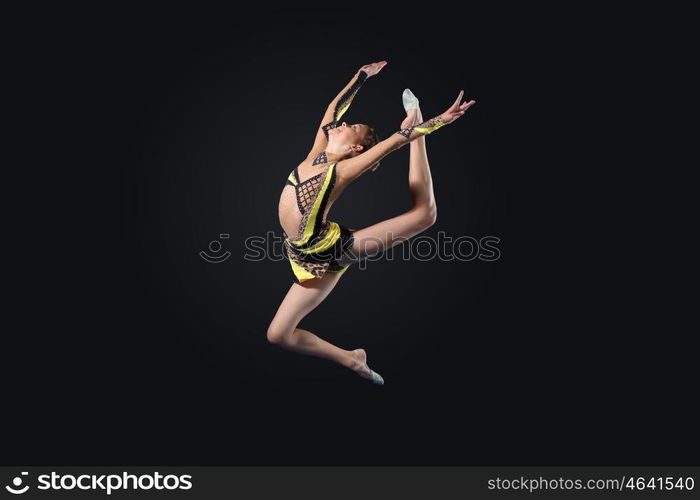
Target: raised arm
[356,166]
[340,104]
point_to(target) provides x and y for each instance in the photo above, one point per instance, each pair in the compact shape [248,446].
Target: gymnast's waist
[329,235]
[302,241]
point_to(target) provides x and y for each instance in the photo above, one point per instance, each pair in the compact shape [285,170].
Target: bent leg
[300,301]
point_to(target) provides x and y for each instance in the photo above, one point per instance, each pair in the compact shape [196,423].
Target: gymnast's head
[351,140]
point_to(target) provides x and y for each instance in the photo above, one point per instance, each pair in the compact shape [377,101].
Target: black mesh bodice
[305,191]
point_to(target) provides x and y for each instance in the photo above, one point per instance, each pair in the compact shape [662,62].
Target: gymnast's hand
[373,69]
[457,109]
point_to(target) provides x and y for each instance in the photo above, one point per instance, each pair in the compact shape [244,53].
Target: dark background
[161,130]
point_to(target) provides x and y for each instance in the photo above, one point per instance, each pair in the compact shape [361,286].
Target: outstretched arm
[340,104]
[356,166]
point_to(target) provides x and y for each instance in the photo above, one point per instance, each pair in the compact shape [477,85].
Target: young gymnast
[320,250]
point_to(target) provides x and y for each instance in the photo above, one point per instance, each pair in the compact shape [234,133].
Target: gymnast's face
[345,135]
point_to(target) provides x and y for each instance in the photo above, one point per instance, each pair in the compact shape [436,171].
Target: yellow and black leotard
[319,242]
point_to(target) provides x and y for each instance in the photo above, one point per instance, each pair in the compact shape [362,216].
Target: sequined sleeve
[424,128]
[344,102]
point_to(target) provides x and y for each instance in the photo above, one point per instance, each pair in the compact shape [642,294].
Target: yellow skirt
[321,254]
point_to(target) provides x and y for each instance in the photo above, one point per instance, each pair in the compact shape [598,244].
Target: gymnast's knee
[276,334]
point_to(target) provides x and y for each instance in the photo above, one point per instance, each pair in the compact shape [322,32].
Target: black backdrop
[175,128]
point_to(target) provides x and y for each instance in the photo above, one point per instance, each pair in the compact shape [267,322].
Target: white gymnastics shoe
[409,100]
[376,378]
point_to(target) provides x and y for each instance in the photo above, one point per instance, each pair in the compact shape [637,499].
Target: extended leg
[378,237]
[420,182]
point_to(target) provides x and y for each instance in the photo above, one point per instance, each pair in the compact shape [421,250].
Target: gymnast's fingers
[466,105]
[459,98]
